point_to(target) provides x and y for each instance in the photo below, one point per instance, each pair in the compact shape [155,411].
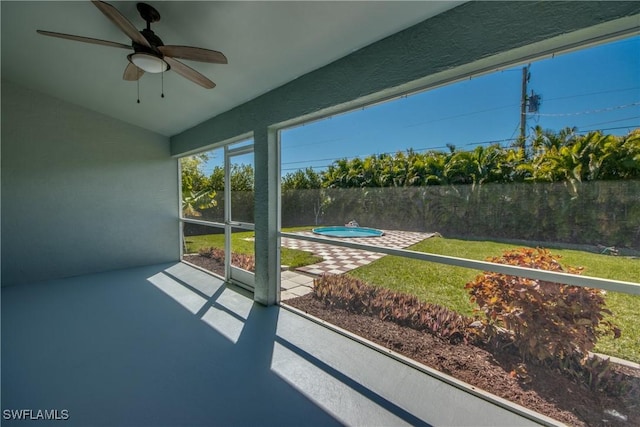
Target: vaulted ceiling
[267,45]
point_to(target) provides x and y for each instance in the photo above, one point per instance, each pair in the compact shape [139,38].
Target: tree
[562,156]
[191,172]
[241,177]
[337,175]
[195,201]
[197,193]
[303,188]
[460,168]
[302,179]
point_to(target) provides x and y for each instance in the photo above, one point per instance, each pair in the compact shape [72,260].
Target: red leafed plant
[350,294]
[246,262]
[548,322]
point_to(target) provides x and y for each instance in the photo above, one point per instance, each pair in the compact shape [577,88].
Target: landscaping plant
[547,322]
[246,262]
[348,293]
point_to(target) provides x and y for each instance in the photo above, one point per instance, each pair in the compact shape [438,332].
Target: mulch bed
[210,264]
[498,372]
[534,387]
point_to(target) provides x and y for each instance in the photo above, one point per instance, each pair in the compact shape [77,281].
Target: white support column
[227,214]
[267,216]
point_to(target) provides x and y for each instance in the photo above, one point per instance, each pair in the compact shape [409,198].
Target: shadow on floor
[172,345]
[112,350]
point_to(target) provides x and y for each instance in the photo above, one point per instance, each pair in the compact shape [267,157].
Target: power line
[416,124]
[319,142]
[316,160]
[513,105]
[458,115]
[614,128]
[615,121]
[418,150]
[468,144]
[513,134]
[495,141]
[601,110]
[308,167]
[593,93]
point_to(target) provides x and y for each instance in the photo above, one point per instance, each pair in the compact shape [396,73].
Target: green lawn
[239,244]
[444,285]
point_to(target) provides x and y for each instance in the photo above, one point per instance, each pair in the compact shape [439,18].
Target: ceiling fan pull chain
[138,84]
[162,79]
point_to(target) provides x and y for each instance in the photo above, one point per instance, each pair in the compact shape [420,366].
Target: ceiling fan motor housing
[153,40]
[149,14]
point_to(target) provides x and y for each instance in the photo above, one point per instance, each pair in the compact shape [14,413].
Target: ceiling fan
[150,54]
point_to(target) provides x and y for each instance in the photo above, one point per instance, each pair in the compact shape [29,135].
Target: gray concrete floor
[171,345]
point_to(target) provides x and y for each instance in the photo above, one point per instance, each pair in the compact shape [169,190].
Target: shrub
[213,253]
[548,322]
[246,262]
[353,295]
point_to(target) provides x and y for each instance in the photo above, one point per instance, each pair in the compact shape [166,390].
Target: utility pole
[523,104]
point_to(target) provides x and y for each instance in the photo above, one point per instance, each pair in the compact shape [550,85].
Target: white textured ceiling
[267,44]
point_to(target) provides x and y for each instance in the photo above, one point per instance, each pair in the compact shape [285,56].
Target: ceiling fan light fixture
[149,63]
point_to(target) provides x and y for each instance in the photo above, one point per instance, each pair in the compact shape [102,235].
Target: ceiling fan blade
[121,22]
[189,73]
[83,39]
[132,73]
[194,54]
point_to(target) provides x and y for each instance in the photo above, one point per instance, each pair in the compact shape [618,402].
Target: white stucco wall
[81,192]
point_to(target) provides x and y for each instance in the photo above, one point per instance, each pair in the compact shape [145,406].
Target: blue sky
[594,88]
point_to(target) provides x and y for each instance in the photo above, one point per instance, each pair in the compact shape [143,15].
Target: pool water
[343,231]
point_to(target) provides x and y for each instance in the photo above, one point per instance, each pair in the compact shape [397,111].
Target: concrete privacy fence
[600,212]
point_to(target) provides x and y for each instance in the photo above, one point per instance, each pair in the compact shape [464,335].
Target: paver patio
[337,259]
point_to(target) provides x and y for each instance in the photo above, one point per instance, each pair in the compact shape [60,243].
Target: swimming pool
[344,231]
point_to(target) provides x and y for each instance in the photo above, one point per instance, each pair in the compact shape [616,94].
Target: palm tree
[543,140]
[336,175]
